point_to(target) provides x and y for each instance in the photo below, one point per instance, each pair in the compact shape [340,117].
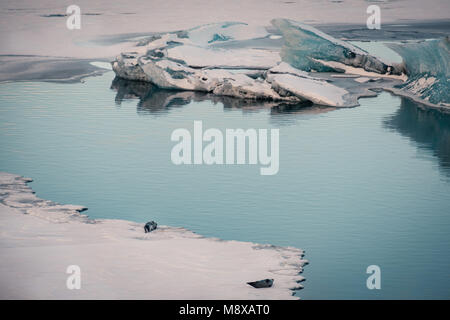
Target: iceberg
[427,65]
[174,61]
[306,65]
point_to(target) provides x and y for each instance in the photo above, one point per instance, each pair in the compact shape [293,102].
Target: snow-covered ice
[317,91]
[225,31]
[40,239]
[199,57]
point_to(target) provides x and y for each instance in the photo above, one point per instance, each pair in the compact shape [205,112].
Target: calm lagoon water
[356,187]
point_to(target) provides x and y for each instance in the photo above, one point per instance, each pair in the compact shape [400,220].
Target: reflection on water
[153,100]
[428,128]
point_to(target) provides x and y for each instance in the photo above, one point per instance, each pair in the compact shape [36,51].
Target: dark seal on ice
[150,226]
[266,283]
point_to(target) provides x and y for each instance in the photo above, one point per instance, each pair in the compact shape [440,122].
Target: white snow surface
[225,31]
[220,58]
[39,239]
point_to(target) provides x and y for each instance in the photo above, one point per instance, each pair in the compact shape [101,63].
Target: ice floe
[40,239]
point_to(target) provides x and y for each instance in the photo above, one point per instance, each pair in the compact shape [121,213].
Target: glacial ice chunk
[290,81]
[169,74]
[428,67]
[304,46]
[316,91]
[242,86]
[126,66]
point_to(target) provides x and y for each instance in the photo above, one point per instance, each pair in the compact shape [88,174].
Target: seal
[266,283]
[150,226]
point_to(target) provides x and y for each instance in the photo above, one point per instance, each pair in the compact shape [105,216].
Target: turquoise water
[356,187]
